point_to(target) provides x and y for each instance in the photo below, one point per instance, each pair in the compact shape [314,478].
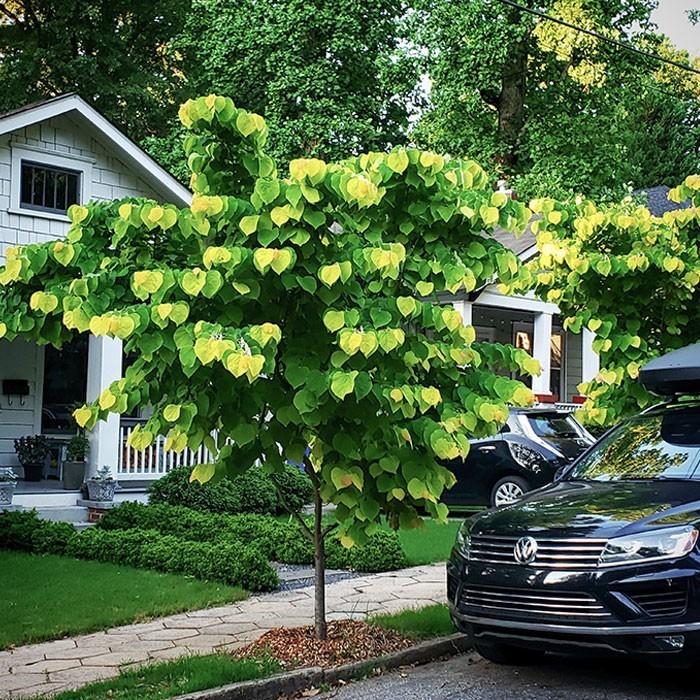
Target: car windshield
[646,447]
[553,425]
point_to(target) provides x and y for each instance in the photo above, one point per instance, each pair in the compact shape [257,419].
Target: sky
[672,20]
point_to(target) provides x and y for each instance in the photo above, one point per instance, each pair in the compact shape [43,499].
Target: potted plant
[8,481]
[32,451]
[74,466]
[101,486]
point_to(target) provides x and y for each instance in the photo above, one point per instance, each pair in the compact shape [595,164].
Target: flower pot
[73,475]
[100,490]
[7,489]
[33,472]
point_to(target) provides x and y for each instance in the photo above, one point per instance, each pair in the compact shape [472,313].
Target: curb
[296,681]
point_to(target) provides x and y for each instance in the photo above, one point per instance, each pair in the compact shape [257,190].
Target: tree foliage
[112,53]
[629,277]
[278,313]
[326,75]
[556,110]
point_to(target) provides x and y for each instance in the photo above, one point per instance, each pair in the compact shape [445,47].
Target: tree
[291,318]
[630,278]
[112,53]
[326,75]
[555,110]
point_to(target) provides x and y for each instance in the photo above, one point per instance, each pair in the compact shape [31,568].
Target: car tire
[507,655]
[508,490]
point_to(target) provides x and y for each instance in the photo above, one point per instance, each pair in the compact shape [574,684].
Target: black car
[527,453]
[606,559]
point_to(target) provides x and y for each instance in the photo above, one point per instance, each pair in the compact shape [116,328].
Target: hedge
[231,562]
[254,491]
[283,542]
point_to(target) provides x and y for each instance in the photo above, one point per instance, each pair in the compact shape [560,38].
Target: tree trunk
[320,625]
[511,103]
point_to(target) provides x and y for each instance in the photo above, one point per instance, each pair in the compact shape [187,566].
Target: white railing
[155,460]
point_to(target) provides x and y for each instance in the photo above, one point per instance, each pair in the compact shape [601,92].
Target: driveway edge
[291,682]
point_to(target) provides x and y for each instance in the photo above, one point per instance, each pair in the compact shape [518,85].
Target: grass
[429,544]
[171,678]
[419,623]
[46,597]
[189,674]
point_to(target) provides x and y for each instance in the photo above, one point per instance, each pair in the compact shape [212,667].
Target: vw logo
[525,550]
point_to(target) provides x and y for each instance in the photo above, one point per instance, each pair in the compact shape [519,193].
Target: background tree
[630,278]
[555,110]
[327,75]
[112,53]
[291,317]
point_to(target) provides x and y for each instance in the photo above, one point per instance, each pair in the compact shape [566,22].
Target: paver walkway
[47,668]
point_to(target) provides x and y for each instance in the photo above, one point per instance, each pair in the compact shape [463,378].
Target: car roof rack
[674,374]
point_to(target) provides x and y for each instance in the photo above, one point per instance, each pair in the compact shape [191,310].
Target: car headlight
[463,541]
[669,543]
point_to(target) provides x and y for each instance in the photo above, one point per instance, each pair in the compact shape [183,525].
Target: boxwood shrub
[252,492]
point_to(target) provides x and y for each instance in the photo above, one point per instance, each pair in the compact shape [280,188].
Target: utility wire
[614,42]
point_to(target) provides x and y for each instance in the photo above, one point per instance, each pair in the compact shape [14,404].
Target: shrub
[251,492]
[175,489]
[52,538]
[382,552]
[17,530]
[296,488]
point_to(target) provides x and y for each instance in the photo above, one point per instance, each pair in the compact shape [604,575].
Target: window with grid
[48,188]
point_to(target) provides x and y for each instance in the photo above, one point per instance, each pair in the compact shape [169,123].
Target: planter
[33,472]
[7,490]
[73,475]
[100,490]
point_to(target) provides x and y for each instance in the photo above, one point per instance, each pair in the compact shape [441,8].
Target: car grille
[561,553]
[532,603]
[660,600]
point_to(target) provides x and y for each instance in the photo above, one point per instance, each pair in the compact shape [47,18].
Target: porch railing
[155,460]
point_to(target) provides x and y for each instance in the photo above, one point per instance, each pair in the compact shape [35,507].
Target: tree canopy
[556,110]
[629,277]
[113,54]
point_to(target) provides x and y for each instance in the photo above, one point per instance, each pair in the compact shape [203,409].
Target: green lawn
[46,597]
[429,544]
[420,623]
[171,678]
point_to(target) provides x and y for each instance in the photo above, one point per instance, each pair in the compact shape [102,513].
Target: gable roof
[657,201]
[76,107]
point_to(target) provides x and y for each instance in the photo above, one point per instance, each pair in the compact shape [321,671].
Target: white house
[53,154]
[62,151]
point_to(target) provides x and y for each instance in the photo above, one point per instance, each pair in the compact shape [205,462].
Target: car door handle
[486,448]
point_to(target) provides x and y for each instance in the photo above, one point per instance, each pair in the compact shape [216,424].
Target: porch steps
[67,514]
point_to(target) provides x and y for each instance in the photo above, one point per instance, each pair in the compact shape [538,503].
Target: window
[48,188]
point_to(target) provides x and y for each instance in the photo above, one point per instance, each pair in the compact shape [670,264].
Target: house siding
[573,364]
[61,136]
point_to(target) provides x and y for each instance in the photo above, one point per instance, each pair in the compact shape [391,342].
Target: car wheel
[507,655]
[508,490]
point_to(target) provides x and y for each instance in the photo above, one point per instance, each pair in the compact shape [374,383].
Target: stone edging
[296,681]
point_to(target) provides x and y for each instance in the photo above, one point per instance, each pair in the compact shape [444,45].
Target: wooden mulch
[348,641]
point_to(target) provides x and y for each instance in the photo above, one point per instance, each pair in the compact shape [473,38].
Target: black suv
[605,560]
[527,452]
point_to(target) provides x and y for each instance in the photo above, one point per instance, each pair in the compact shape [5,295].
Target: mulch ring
[348,641]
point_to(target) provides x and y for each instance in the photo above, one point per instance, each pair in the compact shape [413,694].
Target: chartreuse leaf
[342,383]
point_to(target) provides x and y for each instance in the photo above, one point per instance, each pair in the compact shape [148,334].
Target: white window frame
[41,156]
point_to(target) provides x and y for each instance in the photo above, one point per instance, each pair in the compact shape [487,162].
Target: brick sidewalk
[47,668]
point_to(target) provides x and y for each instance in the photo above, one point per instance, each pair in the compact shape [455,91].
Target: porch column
[542,351]
[590,361]
[464,308]
[104,367]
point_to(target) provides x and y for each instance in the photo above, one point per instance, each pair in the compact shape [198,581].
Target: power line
[614,42]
